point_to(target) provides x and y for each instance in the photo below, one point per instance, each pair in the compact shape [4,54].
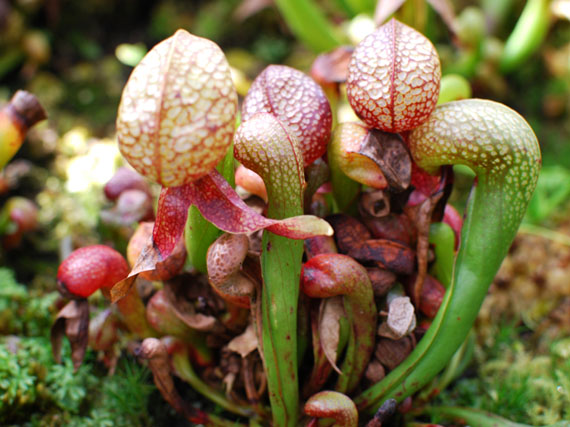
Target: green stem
[503,151]
[266,146]
[201,233]
[308,23]
[527,36]
[443,237]
[183,368]
[474,417]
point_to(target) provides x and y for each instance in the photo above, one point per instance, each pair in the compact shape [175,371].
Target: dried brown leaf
[155,352]
[393,227]
[348,232]
[72,321]
[401,319]
[422,216]
[330,312]
[375,204]
[245,343]
[390,153]
[381,280]
[390,255]
[148,259]
[393,352]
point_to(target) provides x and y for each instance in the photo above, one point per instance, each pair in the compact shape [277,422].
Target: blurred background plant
[76,56]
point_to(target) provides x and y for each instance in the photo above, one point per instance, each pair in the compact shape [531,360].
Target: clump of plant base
[331,309]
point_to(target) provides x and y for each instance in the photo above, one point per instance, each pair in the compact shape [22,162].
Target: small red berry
[87,269]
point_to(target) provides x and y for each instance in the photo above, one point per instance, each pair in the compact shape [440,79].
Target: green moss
[517,384]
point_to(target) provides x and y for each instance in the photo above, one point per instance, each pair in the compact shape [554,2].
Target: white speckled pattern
[393,78]
[266,146]
[177,113]
[493,140]
[296,100]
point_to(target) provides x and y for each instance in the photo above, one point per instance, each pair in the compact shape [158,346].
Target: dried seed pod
[165,269]
[224,259]
[393,78]
[348,231]
[297,101]
[374,204]
[177,113]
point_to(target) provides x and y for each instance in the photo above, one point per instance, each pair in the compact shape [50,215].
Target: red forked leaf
[220,204]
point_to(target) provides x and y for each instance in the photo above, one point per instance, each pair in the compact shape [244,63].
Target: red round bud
[92,267]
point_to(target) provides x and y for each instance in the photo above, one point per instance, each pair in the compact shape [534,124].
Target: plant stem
[475,417]
[201,233]
[266,146]
[443,237]
[133,313]
[309,24]
[506,159]
[184,370]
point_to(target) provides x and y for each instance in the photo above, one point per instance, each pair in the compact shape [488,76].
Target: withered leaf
[348,232]
[185,311]
[390,153]
[391,255]
[374,204]
[245,343]
[148,259]
[401,319]
[330,312]
[422,215]
[393,227]
[73,322]
[155,352]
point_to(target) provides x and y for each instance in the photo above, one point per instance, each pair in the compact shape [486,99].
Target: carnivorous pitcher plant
[294,322]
